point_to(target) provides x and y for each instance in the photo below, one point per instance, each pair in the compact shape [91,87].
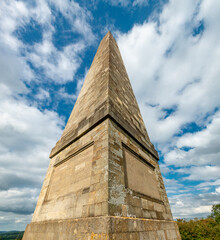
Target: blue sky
[171,50]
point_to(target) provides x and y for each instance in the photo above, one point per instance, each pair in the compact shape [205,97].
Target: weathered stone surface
[76,184]
[148,201]
[104,181]
[103,228]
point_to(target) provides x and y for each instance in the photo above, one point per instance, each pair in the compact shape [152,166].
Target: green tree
[215,213]
[201,229]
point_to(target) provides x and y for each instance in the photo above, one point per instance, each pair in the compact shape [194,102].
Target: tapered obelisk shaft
[104,181]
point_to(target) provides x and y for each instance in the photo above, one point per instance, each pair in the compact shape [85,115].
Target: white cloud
[18,201]
[27,133]
[217,190]
[207,138]
[59,65]
[17,69]
[193,205]
[172,65]
[66,96]
[209,184]
[126,3]
[14,221]
[140,2]
[42,94]
[12,15]
[174,70]
[201,173]
[173,186]
[204,146]
[77,15]
[63,95]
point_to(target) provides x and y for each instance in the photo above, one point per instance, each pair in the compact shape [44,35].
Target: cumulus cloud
[173,64]
[201,160]
[17,69]
[140,2]
[126,3]
[168,58]
[173,186]
[12,221]
[204,146]
[42,94]
[17,206]
[58,65]
[27,132]
[18,202]
[210,183]
[27,135]
[193,205]
[201,173]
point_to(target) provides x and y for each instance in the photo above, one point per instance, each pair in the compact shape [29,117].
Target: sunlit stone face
[73,175]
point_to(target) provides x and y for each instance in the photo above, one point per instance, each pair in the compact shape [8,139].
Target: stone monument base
[103,228]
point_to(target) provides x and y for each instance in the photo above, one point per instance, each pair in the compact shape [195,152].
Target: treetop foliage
[201,229]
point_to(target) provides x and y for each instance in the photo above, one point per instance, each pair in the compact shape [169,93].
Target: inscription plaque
[140,175]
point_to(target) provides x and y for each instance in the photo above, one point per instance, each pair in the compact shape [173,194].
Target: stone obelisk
[104,181]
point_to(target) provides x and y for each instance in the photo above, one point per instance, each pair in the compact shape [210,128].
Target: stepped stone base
[103,228]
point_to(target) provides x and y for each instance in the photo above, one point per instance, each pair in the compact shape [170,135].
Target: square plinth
[103,228]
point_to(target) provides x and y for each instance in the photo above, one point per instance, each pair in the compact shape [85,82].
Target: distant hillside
[12,235]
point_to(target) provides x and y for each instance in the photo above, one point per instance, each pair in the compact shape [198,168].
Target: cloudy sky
[171,50]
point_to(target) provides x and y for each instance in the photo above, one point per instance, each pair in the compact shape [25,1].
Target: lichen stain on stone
[115,135]
[118,191]
[131,216]
[118,166]
[101,236]
[117,152]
